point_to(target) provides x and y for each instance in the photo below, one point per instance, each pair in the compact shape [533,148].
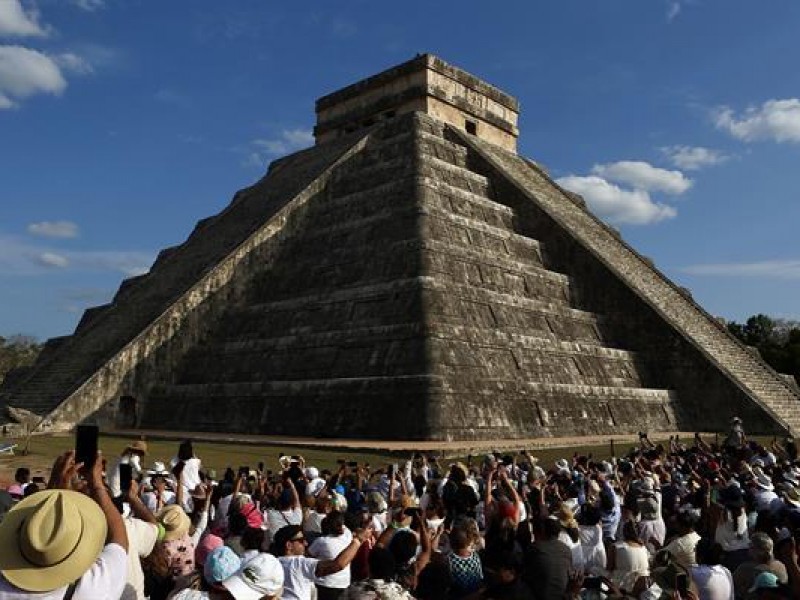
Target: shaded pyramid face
[409,281]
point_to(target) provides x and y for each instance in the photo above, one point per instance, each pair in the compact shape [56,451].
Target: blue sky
[122,122]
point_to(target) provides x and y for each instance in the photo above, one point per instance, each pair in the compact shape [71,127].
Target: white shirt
[190,476]
[278,519]
[113,474]
[329,547]
[104,579]
[313,522]
[142,536]
[732,534]
[594,552]
[713,582]
[298,577]
[378,521]
[632,562]
[188,594]
[764,499]
[682,549]
[151,500]
[575,547]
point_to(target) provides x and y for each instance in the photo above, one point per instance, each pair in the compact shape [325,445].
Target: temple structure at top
[425,84]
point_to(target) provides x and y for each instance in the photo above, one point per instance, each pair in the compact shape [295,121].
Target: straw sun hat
[176,523]
[50,539]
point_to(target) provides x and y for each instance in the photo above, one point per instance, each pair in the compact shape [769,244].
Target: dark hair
[185,450]
[381,564]
[459,538]
[589,515]
[22,475]
[508,560]
[551,528]
[687,519]
[237,523]
[403,546]
[708,553]
[434,581]
[282,537]
[333,523]
[457,474]
[252,538]
[629,533]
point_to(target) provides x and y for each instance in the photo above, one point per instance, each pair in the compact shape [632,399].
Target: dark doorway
[126,413]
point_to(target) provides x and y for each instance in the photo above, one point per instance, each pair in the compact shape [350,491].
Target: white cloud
[89,5]
[54,229]
[289,140]
[617,205]
[25,72]
[20,257]
[69,61]
[644,176]
[693,158]
[51,259]
[673,9]
[772,269]
[15,21]
[777,120]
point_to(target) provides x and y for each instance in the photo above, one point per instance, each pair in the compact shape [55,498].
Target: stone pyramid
[408,277]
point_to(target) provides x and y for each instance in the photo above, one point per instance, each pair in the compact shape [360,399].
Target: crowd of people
[679,520]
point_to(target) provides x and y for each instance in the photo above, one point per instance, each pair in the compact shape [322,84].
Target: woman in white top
[188,473]
[336,537]
[731,531]
[628,559]
[570,535]
[591,536]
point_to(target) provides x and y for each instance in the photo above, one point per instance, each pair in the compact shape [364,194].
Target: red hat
[251,513]
[506,510]
[208,543]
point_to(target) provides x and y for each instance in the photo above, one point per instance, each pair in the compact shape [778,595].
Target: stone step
[428,283]
[265,389]
[525,265]
[454,175]
[435,146]
[373,175]
[349,263]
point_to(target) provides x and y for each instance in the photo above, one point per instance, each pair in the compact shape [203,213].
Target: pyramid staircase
[746,369]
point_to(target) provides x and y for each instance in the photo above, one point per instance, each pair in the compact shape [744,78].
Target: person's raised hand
[63,471]
[364,533]
[575,582]
[133,491]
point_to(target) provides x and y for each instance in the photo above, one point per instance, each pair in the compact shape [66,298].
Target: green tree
[17,351]
[777,340]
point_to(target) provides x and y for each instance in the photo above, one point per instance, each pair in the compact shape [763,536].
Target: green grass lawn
[219,455]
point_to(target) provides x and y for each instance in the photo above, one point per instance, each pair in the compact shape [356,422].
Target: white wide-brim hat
[50,539]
